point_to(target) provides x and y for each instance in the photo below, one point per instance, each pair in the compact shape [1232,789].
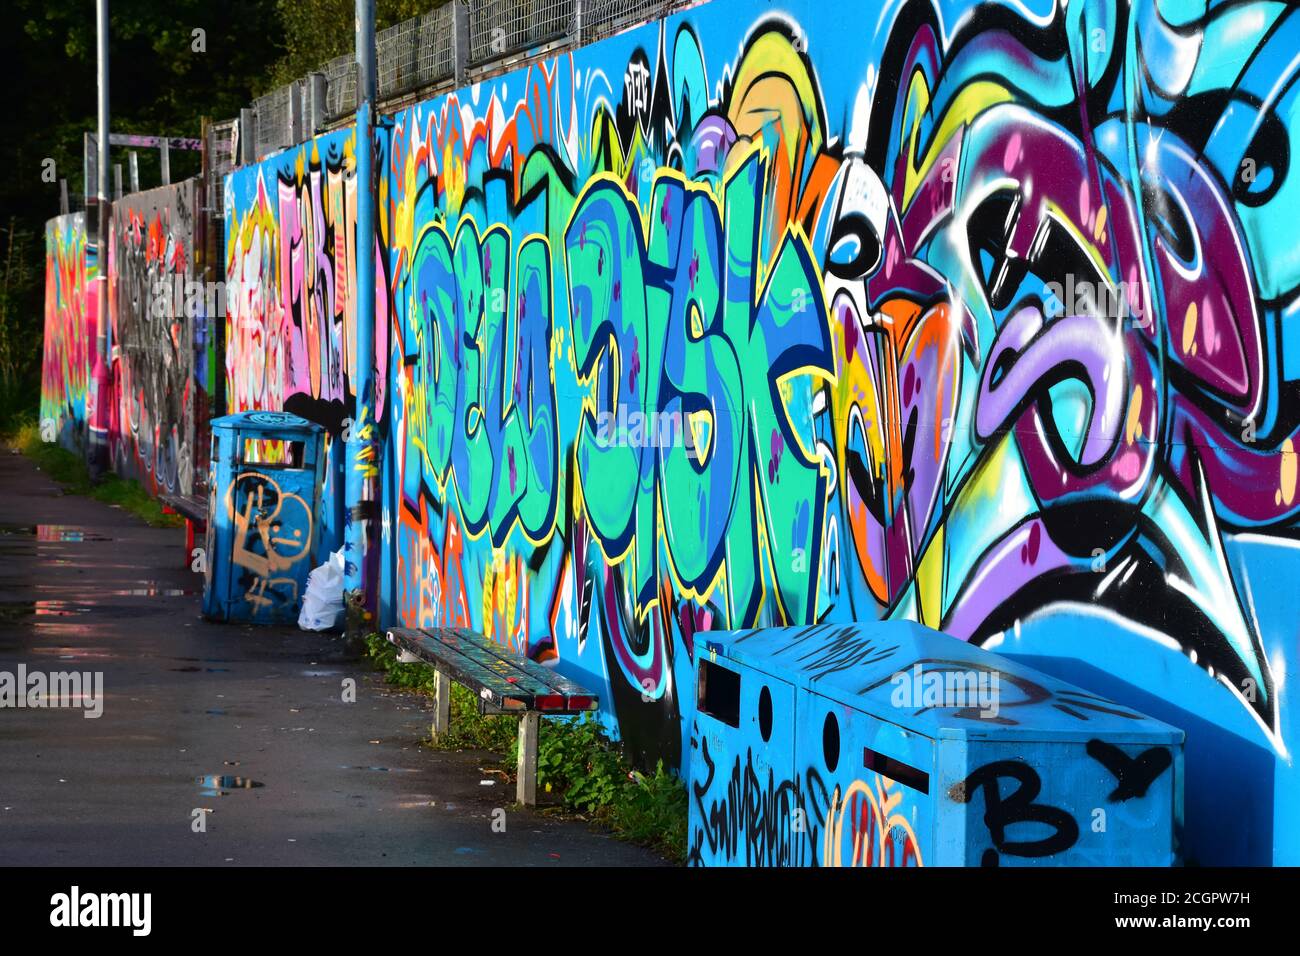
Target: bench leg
[441,704]
[526,787]
[189,544]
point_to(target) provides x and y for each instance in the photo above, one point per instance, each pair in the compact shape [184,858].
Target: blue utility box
[265,473]
[890,744]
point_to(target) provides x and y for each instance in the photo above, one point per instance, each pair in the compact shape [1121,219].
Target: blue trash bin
[265,475]
[890,744]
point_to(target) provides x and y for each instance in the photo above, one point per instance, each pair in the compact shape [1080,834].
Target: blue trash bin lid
[272,421]
[872,666]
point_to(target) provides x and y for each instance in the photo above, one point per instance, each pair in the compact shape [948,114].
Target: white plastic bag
[322,605]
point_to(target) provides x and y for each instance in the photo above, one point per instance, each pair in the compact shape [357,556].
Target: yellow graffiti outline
[472,425]
[883,802]
[415,409]
[972,100]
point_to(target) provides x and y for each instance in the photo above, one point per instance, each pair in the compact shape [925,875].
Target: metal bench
[504,683]
[195,512]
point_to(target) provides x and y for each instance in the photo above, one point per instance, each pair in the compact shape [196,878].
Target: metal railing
[395,59]
[221,159]
[272,120]
[603,17]
[340,86]
[500,28]
[436,50]
[452,44]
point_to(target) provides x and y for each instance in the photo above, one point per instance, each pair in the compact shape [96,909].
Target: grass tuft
[69,470]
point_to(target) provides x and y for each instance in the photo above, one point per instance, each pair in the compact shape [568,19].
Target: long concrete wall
[765,315]
[69,331]
[152,435]
[976,314]
[159,350]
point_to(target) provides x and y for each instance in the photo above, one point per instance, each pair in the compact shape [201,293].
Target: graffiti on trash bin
[273,531]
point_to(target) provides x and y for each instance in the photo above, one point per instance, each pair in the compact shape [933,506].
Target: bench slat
[470,672]
[196,509]
[482,649]
[513,681]
[495,663]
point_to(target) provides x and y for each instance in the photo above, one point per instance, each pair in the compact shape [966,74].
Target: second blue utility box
[890,744]
[265,474]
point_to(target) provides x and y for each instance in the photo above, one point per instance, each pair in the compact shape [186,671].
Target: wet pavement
[218,745]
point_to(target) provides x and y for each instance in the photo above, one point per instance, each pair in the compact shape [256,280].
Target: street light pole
[98,404]
[360,462]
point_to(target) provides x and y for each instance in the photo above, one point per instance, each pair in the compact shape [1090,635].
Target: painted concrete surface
[84,586]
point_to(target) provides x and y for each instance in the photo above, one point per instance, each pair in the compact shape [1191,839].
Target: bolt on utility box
[265,473]
[890,744]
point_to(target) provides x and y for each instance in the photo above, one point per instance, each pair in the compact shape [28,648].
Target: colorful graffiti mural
[290,264]
[978,314]
[153,340]
[988,332]
[69,331]
[291,299]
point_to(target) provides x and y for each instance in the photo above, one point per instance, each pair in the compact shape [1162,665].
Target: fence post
[460,44]
[577,22]
[315,102]
[101,374]
[295,113]
[247,137]
[133,169]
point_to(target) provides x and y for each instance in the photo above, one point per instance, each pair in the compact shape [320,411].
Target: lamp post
[360,462]
[98,399]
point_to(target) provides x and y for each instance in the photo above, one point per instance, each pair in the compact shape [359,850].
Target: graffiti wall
[69,331]
[291,253]
[156,303]
[976,314]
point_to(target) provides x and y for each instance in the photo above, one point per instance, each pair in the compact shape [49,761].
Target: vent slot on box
[896,770]
[719,693]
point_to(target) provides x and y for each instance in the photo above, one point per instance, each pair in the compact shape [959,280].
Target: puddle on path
[218,785]
[45,612]
[379,769]
[12,612]
[57,533]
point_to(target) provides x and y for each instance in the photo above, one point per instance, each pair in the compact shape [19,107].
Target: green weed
[70,471]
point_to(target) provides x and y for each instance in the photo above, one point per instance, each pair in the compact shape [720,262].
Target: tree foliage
[316,31]
[164,77]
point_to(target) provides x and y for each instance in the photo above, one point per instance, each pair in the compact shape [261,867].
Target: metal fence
[395,57]
[501,28]
[272,120]
[603,17]
[436,50]
[340,86]
[221,159]
[459,42]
